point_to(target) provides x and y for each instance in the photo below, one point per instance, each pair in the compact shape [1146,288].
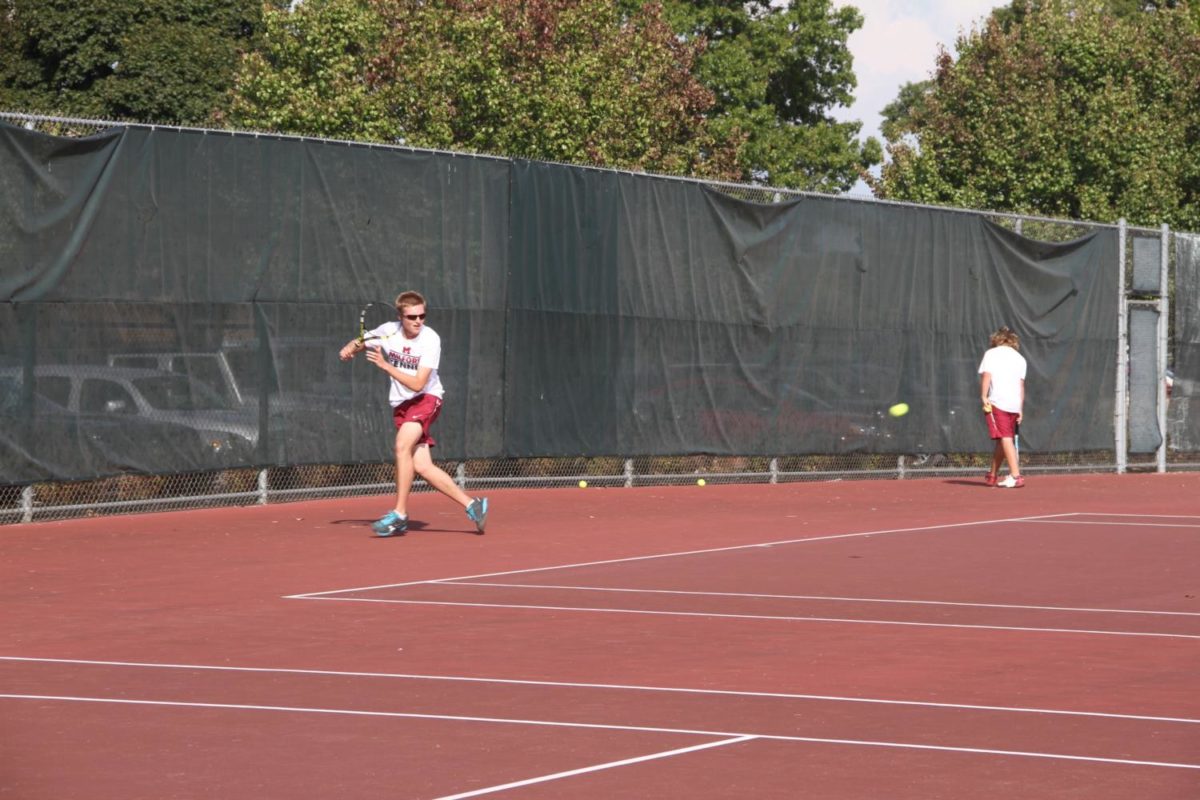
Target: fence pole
[1121,412]
[1164,306]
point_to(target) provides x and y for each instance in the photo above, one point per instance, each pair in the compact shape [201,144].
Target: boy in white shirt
[410,353]
[1002,391]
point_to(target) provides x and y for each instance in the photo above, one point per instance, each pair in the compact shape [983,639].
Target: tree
[1016,11]
[776,71]
[1069,111]
[313,74]
[126,59]
[898,114]
[562,80]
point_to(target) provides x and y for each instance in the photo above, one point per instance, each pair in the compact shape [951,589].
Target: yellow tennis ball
[898,410]
[700,482]
[583,484]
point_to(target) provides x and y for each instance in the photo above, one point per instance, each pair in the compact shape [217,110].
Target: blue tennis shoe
[390,524]
[477,511]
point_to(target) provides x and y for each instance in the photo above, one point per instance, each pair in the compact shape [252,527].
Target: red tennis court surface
[899,640]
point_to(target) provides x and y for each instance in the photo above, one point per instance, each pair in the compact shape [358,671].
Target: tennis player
[1002,391]
[409,352]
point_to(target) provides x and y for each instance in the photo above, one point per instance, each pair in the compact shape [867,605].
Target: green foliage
[1069,111]
[898,114]
[312,74]
[717,88]
[568,81]
[125,59]
[776,71]
[1016,11]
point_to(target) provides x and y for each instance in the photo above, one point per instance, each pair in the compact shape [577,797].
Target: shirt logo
[405,360]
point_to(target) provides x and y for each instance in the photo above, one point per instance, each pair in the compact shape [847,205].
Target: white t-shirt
[1007,368]
[409,355]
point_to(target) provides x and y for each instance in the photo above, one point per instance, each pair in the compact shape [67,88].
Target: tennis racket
[372,317]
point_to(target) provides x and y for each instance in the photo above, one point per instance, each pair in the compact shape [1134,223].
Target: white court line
[596,768]
[596,726]
[713,615]
[1139,516]
[814,597]
[310,595]
[606,686]
[1128,524]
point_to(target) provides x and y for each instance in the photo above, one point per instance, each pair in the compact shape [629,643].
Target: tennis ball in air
[898,410]
[583,484]
[700,482]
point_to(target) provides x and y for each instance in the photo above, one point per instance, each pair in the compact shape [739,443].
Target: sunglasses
[414,316]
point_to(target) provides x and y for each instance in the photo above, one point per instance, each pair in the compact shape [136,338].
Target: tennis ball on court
[583,484]
[898,410]
[700,482]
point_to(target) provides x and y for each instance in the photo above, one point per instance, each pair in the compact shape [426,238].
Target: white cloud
[898,44]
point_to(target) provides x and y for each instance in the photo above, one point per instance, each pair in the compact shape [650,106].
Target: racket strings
[374,316]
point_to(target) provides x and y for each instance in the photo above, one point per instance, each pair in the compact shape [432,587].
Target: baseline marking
[606,686]
[713,615]
[1127,524]
[594,726]
[311,595]
[1138,516]
[815,597]
[596,768]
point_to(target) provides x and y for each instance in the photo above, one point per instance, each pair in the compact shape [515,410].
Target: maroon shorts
[422,409]
[1001,424]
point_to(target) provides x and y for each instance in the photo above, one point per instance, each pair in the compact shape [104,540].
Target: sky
[898,44]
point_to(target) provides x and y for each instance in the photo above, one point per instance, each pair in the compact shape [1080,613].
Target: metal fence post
[1121,411]
[262,487]
[1164,305]
[27,504]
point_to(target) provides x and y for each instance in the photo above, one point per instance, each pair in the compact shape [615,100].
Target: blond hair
[407,299]
[1005,337]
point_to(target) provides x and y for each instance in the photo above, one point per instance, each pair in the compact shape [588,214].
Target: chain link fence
[134,493]
[137,492]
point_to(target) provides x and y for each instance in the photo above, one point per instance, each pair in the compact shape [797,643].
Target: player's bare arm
[413,382]
[351,348]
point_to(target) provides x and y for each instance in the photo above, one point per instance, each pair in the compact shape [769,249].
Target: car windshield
[176,393]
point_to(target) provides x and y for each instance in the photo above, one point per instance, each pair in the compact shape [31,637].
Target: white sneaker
[1012,483]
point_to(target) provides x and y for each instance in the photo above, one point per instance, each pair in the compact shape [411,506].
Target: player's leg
[995,434]
[1007,424]
[395,522]
[437,477]
[407,437]
[1010,455]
